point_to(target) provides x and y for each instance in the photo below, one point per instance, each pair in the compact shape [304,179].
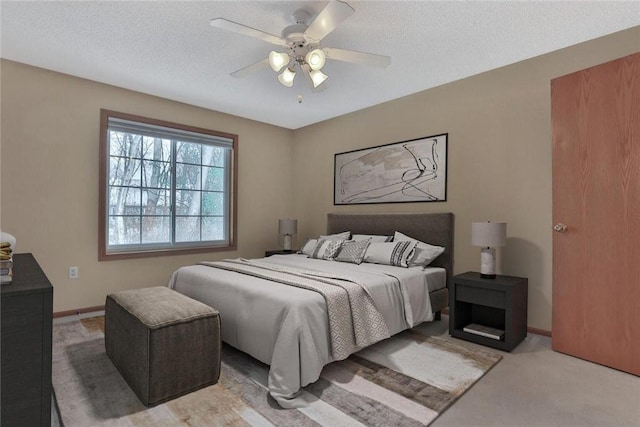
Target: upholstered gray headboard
[432,228]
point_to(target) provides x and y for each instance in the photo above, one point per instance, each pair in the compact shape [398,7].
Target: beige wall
[499,158]
[49,179]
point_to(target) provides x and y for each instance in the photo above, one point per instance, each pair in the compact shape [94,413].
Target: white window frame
[176,133]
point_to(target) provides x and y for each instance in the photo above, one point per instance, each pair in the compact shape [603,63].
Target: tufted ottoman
[164,344]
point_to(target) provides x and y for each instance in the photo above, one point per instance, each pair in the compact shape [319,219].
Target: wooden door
[596,193]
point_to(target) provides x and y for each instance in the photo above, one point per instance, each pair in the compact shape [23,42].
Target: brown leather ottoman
[164,344]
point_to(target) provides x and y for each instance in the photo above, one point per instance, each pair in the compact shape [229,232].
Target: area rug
[406,380]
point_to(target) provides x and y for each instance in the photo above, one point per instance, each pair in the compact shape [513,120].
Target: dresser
[25,339]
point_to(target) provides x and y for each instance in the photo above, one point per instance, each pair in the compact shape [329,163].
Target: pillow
[353,251]
[311,244]
[338,236]
[326,249]
[308,247]
[424,253]
[372,238]
[391,253]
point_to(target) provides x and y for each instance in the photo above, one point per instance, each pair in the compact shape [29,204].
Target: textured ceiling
[169,49]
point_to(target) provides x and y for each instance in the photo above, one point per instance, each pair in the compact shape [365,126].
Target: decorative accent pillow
[372,238]
[338,236]
[308,247]
[353,251]
[326,249]
[391,253]
[424,253]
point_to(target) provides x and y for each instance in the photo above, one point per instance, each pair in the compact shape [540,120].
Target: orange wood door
[596,193]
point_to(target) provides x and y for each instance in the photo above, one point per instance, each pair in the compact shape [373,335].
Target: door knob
[560,227]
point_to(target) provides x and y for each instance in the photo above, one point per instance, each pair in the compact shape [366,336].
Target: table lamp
[287,228]
[489,235]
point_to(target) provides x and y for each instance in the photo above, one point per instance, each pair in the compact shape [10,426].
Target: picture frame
[412,171]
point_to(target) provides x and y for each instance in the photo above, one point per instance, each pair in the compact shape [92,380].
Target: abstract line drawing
[401,172]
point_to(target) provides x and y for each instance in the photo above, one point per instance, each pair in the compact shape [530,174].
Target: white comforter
[287,327]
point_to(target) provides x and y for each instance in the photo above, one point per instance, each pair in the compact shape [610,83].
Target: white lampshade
[489,234]
[317,77]
[286,77]
[287,226]
[316,59]
[277,60]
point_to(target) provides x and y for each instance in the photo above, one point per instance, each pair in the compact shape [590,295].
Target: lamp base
[287,242]
[488,263]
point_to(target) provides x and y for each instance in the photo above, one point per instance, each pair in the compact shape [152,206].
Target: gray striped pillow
[326,249]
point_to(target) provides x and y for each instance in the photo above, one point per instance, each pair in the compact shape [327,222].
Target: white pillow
[372,238]
[338,236]
[391,253]
[308,247]
[327,249]
[424,253]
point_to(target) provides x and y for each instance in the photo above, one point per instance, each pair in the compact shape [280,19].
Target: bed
[292,328]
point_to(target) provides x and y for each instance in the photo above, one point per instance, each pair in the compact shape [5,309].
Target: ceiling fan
[301,44]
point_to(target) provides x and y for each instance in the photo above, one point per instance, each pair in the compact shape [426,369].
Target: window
[164,188]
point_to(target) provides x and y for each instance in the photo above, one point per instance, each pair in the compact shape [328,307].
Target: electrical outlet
[73,272]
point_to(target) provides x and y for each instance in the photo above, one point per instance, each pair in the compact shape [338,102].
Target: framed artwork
[401,172]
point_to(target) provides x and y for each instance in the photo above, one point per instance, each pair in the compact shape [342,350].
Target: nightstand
[491,312]
[279,252]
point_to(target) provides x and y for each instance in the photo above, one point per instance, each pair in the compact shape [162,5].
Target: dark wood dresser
[26,314]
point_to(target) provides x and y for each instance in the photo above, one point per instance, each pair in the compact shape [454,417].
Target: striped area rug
[406,380]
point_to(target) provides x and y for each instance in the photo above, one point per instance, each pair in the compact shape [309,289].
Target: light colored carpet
[407,380]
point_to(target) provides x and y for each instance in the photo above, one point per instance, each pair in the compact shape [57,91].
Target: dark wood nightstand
[279,252]
[499,304]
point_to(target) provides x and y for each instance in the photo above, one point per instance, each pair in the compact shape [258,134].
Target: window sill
[113,256]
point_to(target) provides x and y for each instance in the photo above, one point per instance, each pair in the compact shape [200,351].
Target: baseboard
[537,331]
[78,311]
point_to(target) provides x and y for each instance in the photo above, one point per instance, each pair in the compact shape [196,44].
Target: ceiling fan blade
[250,69]
[356,57]
[228,25]
[328,19]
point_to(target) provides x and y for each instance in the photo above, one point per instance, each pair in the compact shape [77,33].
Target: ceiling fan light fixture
[317,77]
[316,59]
[277,60]
[286,77]
[299,46]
